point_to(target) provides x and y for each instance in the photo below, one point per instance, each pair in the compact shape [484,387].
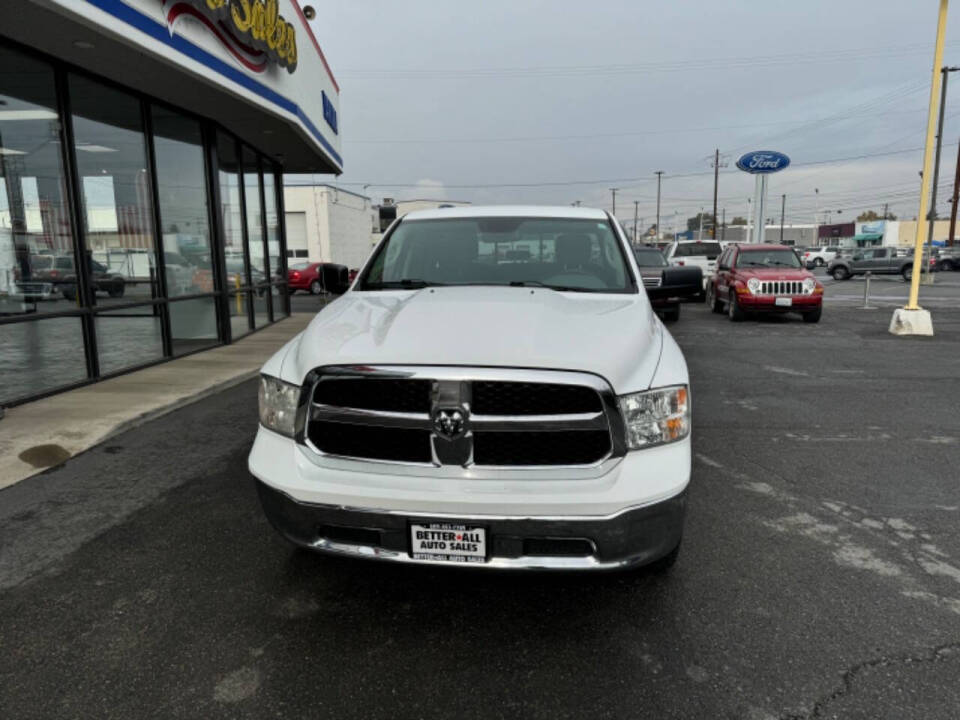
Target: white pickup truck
[493,391]
[695,253]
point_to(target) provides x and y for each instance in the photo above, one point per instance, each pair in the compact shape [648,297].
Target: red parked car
[763,279]
[316,278]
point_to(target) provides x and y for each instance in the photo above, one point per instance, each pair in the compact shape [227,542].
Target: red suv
[316,278]
[763,279]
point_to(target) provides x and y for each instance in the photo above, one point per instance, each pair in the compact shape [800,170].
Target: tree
[738,221]
[694,222]
[871,215]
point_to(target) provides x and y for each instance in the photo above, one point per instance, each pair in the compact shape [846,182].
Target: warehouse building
[142,146]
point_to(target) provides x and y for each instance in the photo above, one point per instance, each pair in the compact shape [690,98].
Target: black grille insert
[367,441]
[522,398]
[394,395]
[564,447]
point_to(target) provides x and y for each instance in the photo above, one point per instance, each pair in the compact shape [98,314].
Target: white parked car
[699,253]
[820,256]
[494,390]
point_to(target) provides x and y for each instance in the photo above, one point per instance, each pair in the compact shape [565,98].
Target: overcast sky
[441,94]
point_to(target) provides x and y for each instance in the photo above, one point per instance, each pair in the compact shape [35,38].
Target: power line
[751,62]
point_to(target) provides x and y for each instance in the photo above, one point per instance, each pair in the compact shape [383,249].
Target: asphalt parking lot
[819,577]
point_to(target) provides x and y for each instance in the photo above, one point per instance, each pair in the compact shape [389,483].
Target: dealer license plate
[784,302]
[449,541]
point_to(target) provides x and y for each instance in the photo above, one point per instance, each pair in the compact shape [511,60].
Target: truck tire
[316,288]
[819,262]
[671,314]
[813,316]
[840,273]
[713,302]
[907,272]
[734,312]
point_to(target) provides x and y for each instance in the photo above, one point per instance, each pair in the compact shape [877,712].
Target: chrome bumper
[632,537]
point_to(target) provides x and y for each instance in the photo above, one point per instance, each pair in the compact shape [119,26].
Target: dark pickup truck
[667,286]
[877,261]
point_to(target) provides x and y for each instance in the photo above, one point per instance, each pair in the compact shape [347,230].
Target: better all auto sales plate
[449,542]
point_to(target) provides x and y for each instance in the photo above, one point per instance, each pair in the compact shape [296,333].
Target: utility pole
[614,192]
[783,210]
[636,211]
[700,231]
[723,226]
[716,180]
[659,174]
[953,202]
[886,206]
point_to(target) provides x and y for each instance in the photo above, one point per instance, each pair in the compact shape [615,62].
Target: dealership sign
[253,31]
[762,162]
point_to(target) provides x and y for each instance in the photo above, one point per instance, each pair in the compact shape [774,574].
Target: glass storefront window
[273,226]
[193,324]
[251,187]
[111,155]
[128,337]
[35,227]
[40,355]
[182,193]
[231,217]
[239,314]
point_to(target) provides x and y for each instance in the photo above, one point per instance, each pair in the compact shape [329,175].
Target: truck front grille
[781,287]
[358,413]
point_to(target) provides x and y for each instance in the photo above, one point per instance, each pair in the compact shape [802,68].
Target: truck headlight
[278,404]
[656,417]
[753,285]
[809,285]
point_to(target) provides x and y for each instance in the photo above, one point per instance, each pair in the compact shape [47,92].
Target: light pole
[659,174]
[614,192]
[636,211]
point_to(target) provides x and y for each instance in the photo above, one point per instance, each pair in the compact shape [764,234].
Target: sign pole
[912,319]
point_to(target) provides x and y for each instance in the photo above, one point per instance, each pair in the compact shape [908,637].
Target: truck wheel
[672,314]
[315,287]
[734,312]
[713,302]
[946,265]
[840,273]
[819,262]
[907,272]
[813,316]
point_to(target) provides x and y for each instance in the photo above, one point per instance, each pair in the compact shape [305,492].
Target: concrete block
[911,322]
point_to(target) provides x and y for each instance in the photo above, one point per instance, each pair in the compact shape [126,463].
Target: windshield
[300,266]
[650,257]
[560,253]
[768,259]
[710,249]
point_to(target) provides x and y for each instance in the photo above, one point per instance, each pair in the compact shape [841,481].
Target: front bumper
[767,303]
[632,537]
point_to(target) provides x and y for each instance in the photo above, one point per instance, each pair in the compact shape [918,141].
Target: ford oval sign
[761,162]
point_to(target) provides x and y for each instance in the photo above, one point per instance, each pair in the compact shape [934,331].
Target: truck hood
[774,273]
[614,336]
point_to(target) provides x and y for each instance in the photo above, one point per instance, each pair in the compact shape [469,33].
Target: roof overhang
[181,52]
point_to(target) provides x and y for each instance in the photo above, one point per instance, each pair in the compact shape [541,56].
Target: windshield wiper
[558,288]
[405,284]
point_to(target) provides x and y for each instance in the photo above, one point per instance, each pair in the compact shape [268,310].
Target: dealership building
[142,146]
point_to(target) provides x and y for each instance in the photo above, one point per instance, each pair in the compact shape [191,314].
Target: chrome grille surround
[451,389]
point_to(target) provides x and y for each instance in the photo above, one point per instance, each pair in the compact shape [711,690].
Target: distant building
[326,223]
